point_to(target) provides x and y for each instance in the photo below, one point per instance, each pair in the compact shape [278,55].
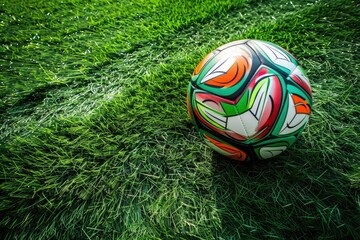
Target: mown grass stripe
[53,44]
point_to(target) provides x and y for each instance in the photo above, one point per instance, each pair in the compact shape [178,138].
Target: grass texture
[96,142]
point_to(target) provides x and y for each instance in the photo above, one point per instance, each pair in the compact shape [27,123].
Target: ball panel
[270,151]
[267,90]
[272,147]
[297,115]
[294,117]
[226,72]
[298,76]
[273,55]
[224,148]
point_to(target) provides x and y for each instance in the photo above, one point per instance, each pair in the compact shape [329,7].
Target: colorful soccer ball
[249,99]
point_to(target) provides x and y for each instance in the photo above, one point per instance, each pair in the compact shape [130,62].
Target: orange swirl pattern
[234,74]
[301,105]
[234,153]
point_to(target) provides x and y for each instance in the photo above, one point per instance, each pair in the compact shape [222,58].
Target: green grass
[96,142]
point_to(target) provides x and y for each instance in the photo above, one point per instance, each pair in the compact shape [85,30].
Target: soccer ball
[249,99]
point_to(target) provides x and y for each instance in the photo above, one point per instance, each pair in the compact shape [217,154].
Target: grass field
[96,142]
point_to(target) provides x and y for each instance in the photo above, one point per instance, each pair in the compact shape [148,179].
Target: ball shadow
[284,197]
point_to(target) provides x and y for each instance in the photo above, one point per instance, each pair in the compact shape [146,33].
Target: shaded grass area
[134,168]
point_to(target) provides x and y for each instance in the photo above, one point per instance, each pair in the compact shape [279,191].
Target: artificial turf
[96,142]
